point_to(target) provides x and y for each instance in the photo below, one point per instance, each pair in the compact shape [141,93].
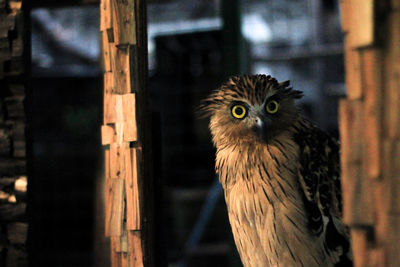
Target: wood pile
[370,130]
[13,180]
[125,132]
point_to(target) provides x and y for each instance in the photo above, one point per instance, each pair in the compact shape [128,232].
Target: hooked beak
[259,128]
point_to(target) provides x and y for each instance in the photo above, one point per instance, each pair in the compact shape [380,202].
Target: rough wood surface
[372,80]
[353,73]
[117,207]
[125,26]
[370,131]
[125,133]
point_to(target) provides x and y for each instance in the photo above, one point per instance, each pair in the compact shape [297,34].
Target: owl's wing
[319,177]
[318,172]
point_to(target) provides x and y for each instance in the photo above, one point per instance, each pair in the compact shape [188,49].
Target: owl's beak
[259,128]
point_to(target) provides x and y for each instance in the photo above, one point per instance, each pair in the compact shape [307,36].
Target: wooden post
[370,131]
[125,133]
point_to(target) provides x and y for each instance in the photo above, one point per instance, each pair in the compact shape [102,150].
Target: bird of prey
[280,174]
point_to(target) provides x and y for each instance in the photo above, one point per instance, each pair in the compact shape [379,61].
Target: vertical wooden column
[125,132]
[370,131]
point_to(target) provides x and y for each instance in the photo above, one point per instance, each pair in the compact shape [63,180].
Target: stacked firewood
[13,180]
[370,130]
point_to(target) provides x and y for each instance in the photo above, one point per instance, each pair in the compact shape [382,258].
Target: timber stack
[370,130]
[13,179]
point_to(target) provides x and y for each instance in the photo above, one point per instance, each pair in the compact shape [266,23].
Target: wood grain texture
[392,77]
[356,190]
[117,208]
[353,73]
[370,131]
[129,113]
[361,23]
[372,75]
[125,23]
[124,39]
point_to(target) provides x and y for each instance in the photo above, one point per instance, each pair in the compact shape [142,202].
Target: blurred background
[193,47]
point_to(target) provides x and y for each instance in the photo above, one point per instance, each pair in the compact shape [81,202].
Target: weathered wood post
[370,130]
[125,132]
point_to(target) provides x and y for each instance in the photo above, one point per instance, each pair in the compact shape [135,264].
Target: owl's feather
[282,190]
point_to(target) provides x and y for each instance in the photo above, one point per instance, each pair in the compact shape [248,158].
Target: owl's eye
[272,107]
[238,111]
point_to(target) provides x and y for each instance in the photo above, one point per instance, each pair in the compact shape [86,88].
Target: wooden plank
[345,14]
[117,207]
[106,16]
[124,24]
[116,243]
[361,32]
[117,161]
[372,81]
[121,69]
[121,242]
[393,237]
[351,126]
[132,192]
[107,173]
[136,253]
[116,260]
[353,73]
[392,78]
[107,191]
[125,260]
[106,52]
[109,98]
[356,191]
[129,190]
[107,135]
[129,110]
[391,167]
[360,251]
[119,109]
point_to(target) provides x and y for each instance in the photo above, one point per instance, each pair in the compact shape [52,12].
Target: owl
[280,175]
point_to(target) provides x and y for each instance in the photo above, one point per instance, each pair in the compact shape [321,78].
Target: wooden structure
[370,130]
[13,180]
[125,132]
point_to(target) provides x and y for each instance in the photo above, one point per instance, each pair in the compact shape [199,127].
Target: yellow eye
[272,106]
[238,111]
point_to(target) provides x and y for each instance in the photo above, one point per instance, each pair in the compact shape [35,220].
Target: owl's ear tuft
[295,94]
[284,84]
[289,91]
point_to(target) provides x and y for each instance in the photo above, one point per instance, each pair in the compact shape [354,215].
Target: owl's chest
[261,193]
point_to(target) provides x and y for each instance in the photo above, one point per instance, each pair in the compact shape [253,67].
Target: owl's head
[251,108]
